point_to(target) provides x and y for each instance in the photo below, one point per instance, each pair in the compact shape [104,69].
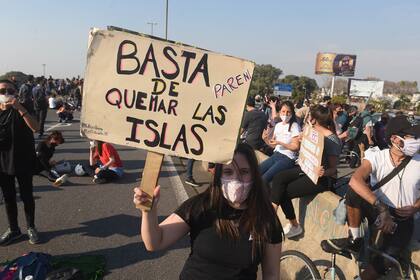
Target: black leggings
[7,183]
[108,175]
[293,183]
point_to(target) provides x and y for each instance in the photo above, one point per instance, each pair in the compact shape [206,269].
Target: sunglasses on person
[9,91]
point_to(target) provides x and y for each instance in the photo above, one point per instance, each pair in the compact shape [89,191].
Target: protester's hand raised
[142,198]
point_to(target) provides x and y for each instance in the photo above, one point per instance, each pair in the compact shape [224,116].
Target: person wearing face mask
[17,161]
[232,225]
[293,183]
[393,206]
[44,152]
[285,143]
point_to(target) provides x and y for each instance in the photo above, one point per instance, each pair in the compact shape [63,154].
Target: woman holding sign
[285,143]
[232,225]
[294,183]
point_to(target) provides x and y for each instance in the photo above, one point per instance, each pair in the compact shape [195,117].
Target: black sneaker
[9,236]
[33,236]
[343,244]
[97,180]
[191,182]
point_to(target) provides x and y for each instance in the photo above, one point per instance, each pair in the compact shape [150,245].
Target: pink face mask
[235,191]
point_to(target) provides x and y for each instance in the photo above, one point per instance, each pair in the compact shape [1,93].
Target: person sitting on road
[105,161]
[52,101]
[64,112]
[232,225]
[293,183]
[44,152]
[286,143]
[394,205]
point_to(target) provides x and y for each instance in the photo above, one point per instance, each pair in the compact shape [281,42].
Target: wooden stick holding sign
[150,177]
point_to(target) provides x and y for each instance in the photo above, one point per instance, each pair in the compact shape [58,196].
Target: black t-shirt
[254,123]
[44,153]
[215,257]
[20,157]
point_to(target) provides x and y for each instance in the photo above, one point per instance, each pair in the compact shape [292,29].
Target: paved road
[83,218]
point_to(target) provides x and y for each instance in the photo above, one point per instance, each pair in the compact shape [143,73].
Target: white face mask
[411,146]
[285,118]
[235,191]
[4,98]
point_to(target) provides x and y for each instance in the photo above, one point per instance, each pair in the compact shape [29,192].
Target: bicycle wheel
[296,265]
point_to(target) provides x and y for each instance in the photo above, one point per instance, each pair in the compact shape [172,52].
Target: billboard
[335,64]
[360,88]
[162,96]
[283,90]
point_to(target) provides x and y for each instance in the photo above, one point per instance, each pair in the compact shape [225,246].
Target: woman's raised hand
[143,199]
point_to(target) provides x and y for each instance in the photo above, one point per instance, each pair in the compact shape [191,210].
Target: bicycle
[408,272]
[296,265]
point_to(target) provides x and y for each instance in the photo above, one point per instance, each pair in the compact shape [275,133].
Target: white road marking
[58,125]
[176,183]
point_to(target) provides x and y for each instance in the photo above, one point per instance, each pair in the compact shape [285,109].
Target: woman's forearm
[151,233]
[30,121]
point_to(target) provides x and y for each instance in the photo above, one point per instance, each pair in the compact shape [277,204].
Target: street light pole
[151,26]
[166,20]
[43,68]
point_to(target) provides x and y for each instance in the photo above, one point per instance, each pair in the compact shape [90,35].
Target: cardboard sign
[310,154]
[162,96]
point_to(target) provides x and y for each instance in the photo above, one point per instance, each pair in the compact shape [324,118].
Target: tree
[20,76]
[264,78]
[381,104]
[302,86]
[339,99]
[403,102]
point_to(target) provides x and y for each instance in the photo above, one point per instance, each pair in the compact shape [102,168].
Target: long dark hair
[289,104]
[56,135]
[323,116]
[259,218]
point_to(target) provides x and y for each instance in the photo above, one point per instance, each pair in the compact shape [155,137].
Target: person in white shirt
[392,207]
[52,101]
[285,142]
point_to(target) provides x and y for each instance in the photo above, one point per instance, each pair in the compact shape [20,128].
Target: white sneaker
[60,180]
[287,228]
[294,231]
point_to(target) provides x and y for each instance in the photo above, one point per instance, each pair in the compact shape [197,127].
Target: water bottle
[29,277]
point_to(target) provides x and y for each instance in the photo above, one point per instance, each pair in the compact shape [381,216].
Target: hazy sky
[385,35]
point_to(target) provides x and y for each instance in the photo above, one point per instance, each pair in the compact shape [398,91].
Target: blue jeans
[274,164]
[190,164]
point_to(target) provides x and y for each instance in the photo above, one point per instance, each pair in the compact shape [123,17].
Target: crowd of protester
[40,93]
[373,142]
[242,201]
